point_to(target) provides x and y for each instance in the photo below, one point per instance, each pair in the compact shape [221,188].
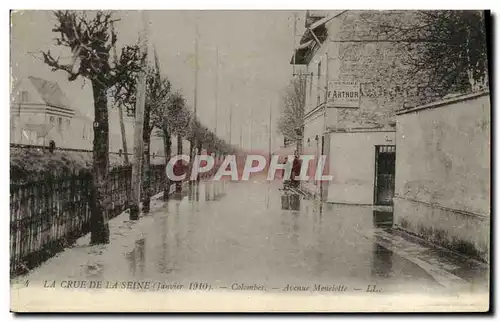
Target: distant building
[40,112]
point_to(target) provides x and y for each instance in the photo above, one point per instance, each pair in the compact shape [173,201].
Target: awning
[305,45]
[301,52]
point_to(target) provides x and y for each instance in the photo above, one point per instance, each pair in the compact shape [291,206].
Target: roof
[308,43]
[50,92]
[83,117]
[316,31]
[326,19]
[313,16]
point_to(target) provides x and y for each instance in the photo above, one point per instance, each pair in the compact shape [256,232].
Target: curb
[441,276]
[409,234]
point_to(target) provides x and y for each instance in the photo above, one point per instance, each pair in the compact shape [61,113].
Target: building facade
[352,93]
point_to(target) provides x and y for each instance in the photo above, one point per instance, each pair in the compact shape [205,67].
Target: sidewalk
[84,261]
[453,271]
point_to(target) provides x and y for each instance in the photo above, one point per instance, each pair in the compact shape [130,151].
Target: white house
[40,112]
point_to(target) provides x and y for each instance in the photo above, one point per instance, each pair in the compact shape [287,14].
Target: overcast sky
[254,53]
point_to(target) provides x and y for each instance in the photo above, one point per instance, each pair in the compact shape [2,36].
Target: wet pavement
[253,233]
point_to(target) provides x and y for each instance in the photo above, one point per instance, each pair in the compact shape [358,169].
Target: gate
[385,171]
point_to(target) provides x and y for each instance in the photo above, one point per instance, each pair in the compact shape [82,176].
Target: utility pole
[241,135]
[139,122]
[270,124]
[216,87]
[250,128]
[323,137]
[294,40]
[120,108]
[195,100]
[196,67]
[195,103]
[230,123]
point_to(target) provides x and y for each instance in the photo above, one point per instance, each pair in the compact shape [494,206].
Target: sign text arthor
[343,94]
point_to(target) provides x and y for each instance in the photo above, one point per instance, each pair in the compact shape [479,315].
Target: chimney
[309,21]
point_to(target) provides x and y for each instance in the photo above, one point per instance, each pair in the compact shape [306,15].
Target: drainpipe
[323,137]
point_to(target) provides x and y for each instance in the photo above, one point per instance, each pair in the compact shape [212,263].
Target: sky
[254,50]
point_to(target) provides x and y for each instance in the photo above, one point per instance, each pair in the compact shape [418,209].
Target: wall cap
[444,102]
[360,130]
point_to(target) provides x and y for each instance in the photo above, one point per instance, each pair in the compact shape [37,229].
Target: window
[52,120]
[68,123]
[59,123]
[33,137]
[24,96]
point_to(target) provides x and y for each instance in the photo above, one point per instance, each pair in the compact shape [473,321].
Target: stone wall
[443,173]
[378,66]
[358,53]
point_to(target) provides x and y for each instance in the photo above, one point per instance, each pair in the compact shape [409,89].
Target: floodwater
[254,233]
[231,235]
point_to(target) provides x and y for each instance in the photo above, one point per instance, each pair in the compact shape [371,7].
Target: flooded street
[252,233]
[254,236]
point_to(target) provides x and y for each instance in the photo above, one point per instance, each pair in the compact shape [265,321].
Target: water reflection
[162,262]
[290,202]
[137,257]
[295,228]
[298,240]
[382,219]
[214,191]
[382,258]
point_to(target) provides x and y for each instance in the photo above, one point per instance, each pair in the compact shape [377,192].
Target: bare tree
[174,120]
[120,113]
[290,123]
[446,51]
[90,40]
[157,92]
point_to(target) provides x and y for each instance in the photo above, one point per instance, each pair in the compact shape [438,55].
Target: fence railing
[46,147]
[49,214]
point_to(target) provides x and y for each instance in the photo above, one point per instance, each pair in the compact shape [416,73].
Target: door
[385,171]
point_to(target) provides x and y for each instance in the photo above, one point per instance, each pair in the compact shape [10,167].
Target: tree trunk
[199,153]
[99,197]
[146,166]
[167,145]
[192,143]
[146,162]
[179,144]
[178,184]
[124,138]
